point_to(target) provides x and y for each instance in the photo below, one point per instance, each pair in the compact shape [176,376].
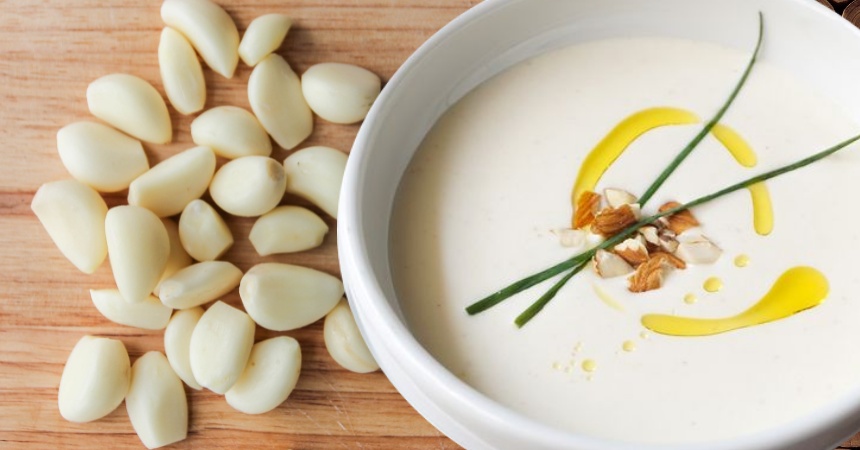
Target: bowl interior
[802,37]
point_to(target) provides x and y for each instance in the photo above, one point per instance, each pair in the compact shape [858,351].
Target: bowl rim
[374,309]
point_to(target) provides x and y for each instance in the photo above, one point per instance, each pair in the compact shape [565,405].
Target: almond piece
[610,221]
[587,206]
[617,197]
[667,240]
[680,221]
[699,250]
[648,276]
[670,259]
[609,265]
[632,250]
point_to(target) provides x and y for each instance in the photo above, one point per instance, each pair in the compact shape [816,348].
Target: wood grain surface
[49,51]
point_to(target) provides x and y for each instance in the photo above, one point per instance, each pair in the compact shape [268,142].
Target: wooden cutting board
[49,51]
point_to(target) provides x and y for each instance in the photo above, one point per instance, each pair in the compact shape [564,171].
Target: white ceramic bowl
[802,37]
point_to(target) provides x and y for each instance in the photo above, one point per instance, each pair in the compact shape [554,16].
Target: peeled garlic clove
[132,106]
[95,379]
[177,343]
[73,214]
[156,403]
[178,257]
[203,232]
[340,93]
[269,377]
[199,283]
[149,314]
[99,156]
[344,342]
[248,186]
[209,29]
[316,174]
[284,297]
[263,36]
[181,72]
[220,346]
[173,183]
[138,247]
[231,132]
[287,229]
[275,94]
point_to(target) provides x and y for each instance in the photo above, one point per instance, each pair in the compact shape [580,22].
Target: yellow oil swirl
[606,298]
[619,138]
[735,144]
[608,150]
[762,208]
[796,290]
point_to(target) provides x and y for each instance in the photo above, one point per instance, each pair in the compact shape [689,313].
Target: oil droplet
[735,144]
[713,284]
[589,365]
[577,348]
[762,208]
[644,334]
[556,365]
[690,298]
[606,298]
[796,290]
[742,260]
[628,346]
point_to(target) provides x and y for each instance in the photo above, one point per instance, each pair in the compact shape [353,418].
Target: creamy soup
[481,203]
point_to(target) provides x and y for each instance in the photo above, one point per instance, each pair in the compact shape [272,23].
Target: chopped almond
[617,197]
[610,221]
[648,276]
[609,265]
[587,206]
[699,250]
[680,221]
[633,250]
[670,259]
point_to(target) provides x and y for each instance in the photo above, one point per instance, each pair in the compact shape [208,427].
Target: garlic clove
[95,379]
[344,342]
[132,106]
[263,36]
[249,186]
[284,297]
[275,94]
[138,247]
[199,283]
[73,214]
[170,185]
[209,29]
[316,173]
[156,403]
[99,156]
[202,231]
[269,377]
[177,343]
[149,314]
[287,229]
[220,347]
[181,73]
[231,132]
